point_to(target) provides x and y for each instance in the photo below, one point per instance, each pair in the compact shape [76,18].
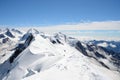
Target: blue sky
[55,12]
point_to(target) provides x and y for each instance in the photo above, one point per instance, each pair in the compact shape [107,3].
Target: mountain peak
[16,31]
[9,33]
[33,31]
[58,57]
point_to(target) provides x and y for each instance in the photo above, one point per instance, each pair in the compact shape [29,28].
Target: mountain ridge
[37,53]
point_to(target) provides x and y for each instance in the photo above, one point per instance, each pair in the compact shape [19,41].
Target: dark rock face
[53,41]
[8,33]
[16,53]
[81,48]
[116,45]
[91,48]
[58,38]
[15,30]
[104,65]
[2,36]
[97,52]
[5,40]
[99,55]
[112,53]
[21,47]
[5,67]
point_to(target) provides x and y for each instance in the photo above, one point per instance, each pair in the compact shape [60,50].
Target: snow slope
[40,56]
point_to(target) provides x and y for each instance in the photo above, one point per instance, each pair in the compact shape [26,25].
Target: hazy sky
[55,12]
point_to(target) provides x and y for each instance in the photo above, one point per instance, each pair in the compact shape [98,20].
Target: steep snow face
[75,66]
[38,56]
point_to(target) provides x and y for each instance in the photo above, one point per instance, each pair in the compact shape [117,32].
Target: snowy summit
[34,55]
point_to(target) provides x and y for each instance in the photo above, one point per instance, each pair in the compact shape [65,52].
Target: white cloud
[105,25]
[73,29]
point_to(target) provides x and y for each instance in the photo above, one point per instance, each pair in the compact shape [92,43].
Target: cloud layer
[105,25]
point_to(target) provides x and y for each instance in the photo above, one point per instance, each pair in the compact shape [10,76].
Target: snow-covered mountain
[8,40]
[9,34]
[40,56]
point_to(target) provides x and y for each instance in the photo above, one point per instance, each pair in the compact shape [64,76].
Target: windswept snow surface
[39,56]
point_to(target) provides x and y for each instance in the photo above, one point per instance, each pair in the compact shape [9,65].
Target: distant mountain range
[34,55]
